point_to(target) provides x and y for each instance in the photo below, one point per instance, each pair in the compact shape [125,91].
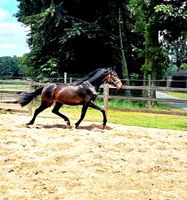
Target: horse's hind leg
[56,111]
[42,107]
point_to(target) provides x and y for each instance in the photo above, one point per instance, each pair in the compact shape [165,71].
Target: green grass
[126,104]
[142,119]
[178,94]
[128,118]
[148,120]
[14,86]
[135,105]
[172,122]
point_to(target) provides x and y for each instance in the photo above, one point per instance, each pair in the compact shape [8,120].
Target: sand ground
[51,161]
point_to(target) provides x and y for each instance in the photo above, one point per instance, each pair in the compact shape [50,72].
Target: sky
[13,35]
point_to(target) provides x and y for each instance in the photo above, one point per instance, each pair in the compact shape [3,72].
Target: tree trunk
[125,72]
[123,58]
[151,46]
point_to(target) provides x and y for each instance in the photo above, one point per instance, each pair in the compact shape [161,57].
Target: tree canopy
[77,36]
[9,66]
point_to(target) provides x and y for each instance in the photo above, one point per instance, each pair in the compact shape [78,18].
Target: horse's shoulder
[89,87]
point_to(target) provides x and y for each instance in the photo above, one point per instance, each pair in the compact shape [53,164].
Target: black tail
[26,97]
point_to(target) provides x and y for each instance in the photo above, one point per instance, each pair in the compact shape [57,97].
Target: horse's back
[68,94]
[74,94]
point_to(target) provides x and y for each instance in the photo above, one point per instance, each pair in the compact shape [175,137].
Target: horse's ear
[111,68]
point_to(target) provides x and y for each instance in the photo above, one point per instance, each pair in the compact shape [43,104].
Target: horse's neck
[96,81]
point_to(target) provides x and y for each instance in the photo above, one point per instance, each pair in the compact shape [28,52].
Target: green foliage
[170,11]
[49,69]
[166,9]
[9,66]
[146,68]
[134,76]
[177,49]
[78,36]
[74,33]
[183,67]
[172,69]
[154,20]
[26,68]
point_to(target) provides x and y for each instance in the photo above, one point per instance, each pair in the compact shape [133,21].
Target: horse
[80,92]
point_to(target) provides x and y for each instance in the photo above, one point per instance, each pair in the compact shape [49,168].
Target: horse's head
[113,78]
[100,75]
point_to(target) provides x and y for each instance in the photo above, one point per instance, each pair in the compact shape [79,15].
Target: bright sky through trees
[12,33]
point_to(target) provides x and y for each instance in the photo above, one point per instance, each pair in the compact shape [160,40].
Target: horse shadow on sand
[88,127]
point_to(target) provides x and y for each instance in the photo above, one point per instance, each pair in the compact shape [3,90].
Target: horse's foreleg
[93,105]
[83,113]
[56,111]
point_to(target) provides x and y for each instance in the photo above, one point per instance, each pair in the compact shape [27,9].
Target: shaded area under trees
[78,36]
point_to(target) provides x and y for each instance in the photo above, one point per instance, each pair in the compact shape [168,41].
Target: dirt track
[49,161]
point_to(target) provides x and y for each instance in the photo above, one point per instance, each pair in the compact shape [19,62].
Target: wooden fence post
[70,80]
[106,96]
[149,91]
[65,77]
[30,90]
[168,82]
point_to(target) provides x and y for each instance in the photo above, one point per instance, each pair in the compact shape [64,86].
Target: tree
[25,65]
[76,36]
[154,20]
[9,66]
[177,50]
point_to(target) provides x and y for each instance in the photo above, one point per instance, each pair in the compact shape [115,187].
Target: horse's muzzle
[118,84]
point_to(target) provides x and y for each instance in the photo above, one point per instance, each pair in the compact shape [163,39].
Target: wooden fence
[9,95]
[149,91]
[106,94]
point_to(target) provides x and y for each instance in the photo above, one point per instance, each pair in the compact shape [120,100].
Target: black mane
[88,76]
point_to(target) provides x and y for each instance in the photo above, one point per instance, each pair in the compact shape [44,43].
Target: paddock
[52,161]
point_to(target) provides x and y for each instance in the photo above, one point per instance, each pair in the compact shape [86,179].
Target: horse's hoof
[104,126]
[68,123]
[76,125]
[29,123]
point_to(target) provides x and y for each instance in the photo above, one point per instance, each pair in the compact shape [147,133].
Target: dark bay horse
[81,92]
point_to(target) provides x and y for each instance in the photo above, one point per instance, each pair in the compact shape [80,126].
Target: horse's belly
[70,99]
[72,102]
